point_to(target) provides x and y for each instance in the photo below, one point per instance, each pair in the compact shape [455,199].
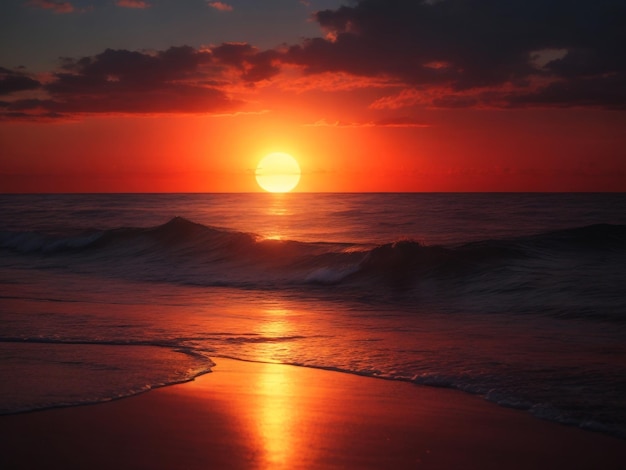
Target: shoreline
[258,415]
[591,429]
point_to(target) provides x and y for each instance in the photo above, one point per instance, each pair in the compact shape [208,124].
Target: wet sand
[251,416]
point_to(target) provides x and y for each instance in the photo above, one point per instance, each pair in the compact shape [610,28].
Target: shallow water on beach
[515,297]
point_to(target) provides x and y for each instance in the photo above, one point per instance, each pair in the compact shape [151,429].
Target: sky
[367,95]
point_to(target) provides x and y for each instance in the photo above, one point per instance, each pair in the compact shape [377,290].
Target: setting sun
[278,173]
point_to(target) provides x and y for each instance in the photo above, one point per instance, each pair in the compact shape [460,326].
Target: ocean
[518,298]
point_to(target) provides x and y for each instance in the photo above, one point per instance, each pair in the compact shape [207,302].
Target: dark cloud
[254,65]
[12,81]
[597,91]
[128,71]
[30,110]
[180,79]
[40,117]
[539,48]
[440,53]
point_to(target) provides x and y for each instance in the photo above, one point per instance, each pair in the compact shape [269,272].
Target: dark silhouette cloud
[598,91]
[549,51]
[437,53]
[179,79]
[12,81]
[128,71]
[254,65]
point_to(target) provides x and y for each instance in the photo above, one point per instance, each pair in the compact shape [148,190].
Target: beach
[250,415]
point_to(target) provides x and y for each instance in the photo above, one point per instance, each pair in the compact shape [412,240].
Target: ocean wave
[180,233]
[574,270]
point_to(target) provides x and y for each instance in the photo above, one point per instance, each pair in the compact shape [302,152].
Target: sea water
[519,298]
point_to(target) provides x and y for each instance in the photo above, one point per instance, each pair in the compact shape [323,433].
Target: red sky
[446,95]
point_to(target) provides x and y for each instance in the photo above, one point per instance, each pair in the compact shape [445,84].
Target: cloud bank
[472,52]
[178,80]
[424,53]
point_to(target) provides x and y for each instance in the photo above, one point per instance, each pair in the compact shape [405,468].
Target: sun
[278,173]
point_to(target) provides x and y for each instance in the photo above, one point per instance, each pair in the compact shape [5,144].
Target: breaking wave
[576,263]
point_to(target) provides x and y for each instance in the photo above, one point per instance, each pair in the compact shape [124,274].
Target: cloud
[220,6]
[41,117]
[242,113]
[292,80]
[12,81]
[132,4]
[607,92]
[403,121]
[56,6]
[485,49]
[405,98]
[177,80]
[254,65]
[398,54]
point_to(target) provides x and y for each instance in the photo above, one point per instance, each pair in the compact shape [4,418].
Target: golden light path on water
[276,409]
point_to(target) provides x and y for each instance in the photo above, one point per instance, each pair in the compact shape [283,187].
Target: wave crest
[185,252]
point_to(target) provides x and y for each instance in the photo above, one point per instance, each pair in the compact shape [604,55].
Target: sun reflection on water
[276,416]
[277,329]
[276,410]
[278,213]
[278,206]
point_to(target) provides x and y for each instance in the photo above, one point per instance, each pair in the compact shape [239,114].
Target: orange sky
[199,118]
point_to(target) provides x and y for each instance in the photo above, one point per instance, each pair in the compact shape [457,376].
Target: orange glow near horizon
[465,151]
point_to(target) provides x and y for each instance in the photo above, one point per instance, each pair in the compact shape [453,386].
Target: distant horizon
[298,192]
